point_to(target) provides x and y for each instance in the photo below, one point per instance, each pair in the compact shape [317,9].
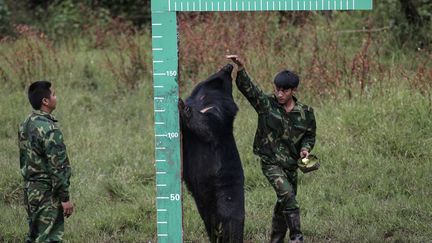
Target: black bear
[212,168]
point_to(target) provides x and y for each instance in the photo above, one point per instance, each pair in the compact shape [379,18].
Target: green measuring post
[165,83]
[166,124]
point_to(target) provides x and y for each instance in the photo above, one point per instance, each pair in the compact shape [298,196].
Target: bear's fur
[212,168]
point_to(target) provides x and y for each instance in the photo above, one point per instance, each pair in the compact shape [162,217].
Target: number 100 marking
[172,135]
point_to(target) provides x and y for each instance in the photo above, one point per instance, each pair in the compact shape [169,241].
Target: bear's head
[213,97]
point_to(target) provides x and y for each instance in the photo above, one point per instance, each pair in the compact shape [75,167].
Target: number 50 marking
[174,197]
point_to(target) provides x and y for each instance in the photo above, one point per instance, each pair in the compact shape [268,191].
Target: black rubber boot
[279,228]
[292,218]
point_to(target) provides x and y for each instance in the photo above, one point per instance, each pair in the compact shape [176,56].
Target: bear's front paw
[187,111]
[180,104]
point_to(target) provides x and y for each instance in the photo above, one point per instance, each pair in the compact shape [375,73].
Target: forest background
[367,74]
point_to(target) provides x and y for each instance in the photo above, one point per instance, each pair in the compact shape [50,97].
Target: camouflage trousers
[45,214]
[284,183]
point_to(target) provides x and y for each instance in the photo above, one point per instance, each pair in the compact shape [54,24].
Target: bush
[5,27]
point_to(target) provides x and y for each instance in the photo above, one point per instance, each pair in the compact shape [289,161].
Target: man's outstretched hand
[67,208]
[237,60]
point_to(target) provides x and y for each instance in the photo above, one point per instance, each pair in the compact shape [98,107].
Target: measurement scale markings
[161,185]
[161,173]
[162,210]
[161,160]
[162,222]
[156,24]
[162,198]
[159,110]
[163,235]
[276,5]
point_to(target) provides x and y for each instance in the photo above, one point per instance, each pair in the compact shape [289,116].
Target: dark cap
[286,80]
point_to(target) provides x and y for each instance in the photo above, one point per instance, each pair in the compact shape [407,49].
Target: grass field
[373,108]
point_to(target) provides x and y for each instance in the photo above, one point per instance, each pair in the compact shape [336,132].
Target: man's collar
[45,114]
[297,105]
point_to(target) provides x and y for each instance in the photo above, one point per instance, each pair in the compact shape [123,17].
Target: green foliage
[5,27]
[65,19]
[406,34]
[136,11]
[68,18]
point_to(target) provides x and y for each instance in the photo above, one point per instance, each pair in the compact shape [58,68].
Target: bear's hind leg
[230,214]
[206,209]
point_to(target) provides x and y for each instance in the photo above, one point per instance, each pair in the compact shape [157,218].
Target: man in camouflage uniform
[45,167]
[286,132]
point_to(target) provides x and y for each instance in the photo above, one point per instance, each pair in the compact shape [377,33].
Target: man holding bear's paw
[286,132]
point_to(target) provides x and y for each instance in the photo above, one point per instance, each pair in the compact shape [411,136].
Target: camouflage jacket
[280,135]
[43,157]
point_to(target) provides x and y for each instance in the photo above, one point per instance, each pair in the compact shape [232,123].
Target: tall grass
[372,102]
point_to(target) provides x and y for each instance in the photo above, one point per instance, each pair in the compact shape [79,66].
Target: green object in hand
[309,164]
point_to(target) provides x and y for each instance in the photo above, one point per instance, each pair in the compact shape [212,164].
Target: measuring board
[165,83]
